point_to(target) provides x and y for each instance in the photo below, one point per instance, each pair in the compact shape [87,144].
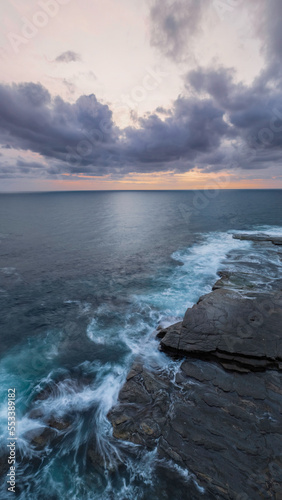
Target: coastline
[200,413]
[219,415]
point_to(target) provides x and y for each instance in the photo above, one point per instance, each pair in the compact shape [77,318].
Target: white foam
[68,397]
[164,305]
[84,307]
[195,277]
[269,230]
[93,335]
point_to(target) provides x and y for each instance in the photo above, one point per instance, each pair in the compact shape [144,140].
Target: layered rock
[276,240]
[220,417]
[224,428]
[242,332]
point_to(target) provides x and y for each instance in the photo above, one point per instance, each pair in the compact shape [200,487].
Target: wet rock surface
[243,332]
[220,416]
[225,428]
[258,237]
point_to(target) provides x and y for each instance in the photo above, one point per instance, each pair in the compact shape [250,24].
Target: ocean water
[85,279]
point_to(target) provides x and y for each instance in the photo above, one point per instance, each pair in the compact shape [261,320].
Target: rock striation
[242,332]
[220,416]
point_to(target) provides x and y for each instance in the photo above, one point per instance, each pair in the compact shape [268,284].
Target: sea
[85,280]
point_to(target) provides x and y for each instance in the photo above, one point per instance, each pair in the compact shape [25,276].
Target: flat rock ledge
[258,237]
[241,332]
[220,416]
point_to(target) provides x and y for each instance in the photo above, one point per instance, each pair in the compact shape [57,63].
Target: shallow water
[85,280]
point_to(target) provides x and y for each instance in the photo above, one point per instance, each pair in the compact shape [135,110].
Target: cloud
[213,131]
[217,123]
[254,111]
[82,138]
[193,127]
[266,18]
[30,120]
[174,24]
[69,85]
[68,56]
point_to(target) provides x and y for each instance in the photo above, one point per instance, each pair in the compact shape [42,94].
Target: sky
[140,94]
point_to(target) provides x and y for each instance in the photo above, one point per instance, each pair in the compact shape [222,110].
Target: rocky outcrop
[223,427]
[242,332]
[220,416]
[258,237]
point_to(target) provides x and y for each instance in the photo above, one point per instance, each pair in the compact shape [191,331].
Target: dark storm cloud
[81,137]
[68,56]
[31,120]
[254,112]
[193,127]
[173,23]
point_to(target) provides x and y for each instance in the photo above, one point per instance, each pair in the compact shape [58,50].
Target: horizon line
[136,190]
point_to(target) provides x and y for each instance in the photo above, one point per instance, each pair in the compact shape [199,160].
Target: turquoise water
[85,280]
